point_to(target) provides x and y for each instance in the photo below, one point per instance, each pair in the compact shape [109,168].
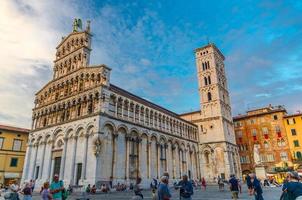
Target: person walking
[45,193]
[186,188]
[249,184]
[257,190]
[14,188]
[203,184]
[27,192]
[163,192]
[292,189]
[234,187]
[57,188]
[220,183]
[137,189]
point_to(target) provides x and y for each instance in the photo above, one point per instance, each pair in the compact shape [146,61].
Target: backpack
[64,192]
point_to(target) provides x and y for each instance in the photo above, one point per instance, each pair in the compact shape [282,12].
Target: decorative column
[42,163]
[149,158]
[73,159]
[139,156]
[191,165]
[127,157]
[139,114]
[134,112]
[128,111]
[62,167]
[166,159]
[85,157]
[50,142]
[114,136]
[116,100]
[173,161]
[122,109]
[36,145]
[158,159]
[27,162]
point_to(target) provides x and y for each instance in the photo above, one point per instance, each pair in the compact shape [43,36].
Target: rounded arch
[69,132]
[79,131]
[162,139]
[122,127]
[153,137]
[109,124]
[144,135]
[133,129]
[57,130]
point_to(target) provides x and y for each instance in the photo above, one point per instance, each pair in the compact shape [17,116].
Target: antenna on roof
[208,40]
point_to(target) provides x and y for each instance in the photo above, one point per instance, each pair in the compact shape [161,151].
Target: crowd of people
[160,189]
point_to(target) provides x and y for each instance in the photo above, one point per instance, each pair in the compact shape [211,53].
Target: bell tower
[216,132]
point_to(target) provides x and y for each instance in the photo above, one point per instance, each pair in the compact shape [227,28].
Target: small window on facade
[296,143]
[209,80]
[275,117]
[13,162]
[205,81]
[79,110]
[293,131]
[208,65]
[1,142]
[209,96]
[283,156]
[287,122]
[17,145]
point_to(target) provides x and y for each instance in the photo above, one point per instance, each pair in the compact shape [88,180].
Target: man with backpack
[292,189]
[57,189]
[234,187]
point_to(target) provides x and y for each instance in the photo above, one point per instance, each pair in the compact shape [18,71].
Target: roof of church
[125,93]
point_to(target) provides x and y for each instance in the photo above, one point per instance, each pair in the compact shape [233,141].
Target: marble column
[122,107]
[114,137]
[173,161]
[50,142]
[149,158]
[158,159]
[84,169]
[34,161]
[72,181]
[27,160]
[127,157]
[42,160]
[62,167]
[116,105]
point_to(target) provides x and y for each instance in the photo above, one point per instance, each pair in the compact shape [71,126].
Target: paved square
[212,193]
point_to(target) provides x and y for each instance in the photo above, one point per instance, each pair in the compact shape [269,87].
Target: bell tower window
[209,96]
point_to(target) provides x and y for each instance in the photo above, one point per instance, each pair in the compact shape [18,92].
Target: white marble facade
[104,146]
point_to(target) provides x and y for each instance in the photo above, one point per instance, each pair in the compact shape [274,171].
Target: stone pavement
[212,193]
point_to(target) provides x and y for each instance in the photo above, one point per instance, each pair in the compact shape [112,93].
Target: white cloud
[28,40]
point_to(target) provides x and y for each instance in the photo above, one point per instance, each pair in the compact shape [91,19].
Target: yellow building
[293,126]
[13,142]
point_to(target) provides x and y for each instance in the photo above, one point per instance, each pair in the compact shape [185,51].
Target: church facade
[87,130]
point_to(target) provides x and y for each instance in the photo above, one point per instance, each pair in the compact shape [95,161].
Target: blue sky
[149,46]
